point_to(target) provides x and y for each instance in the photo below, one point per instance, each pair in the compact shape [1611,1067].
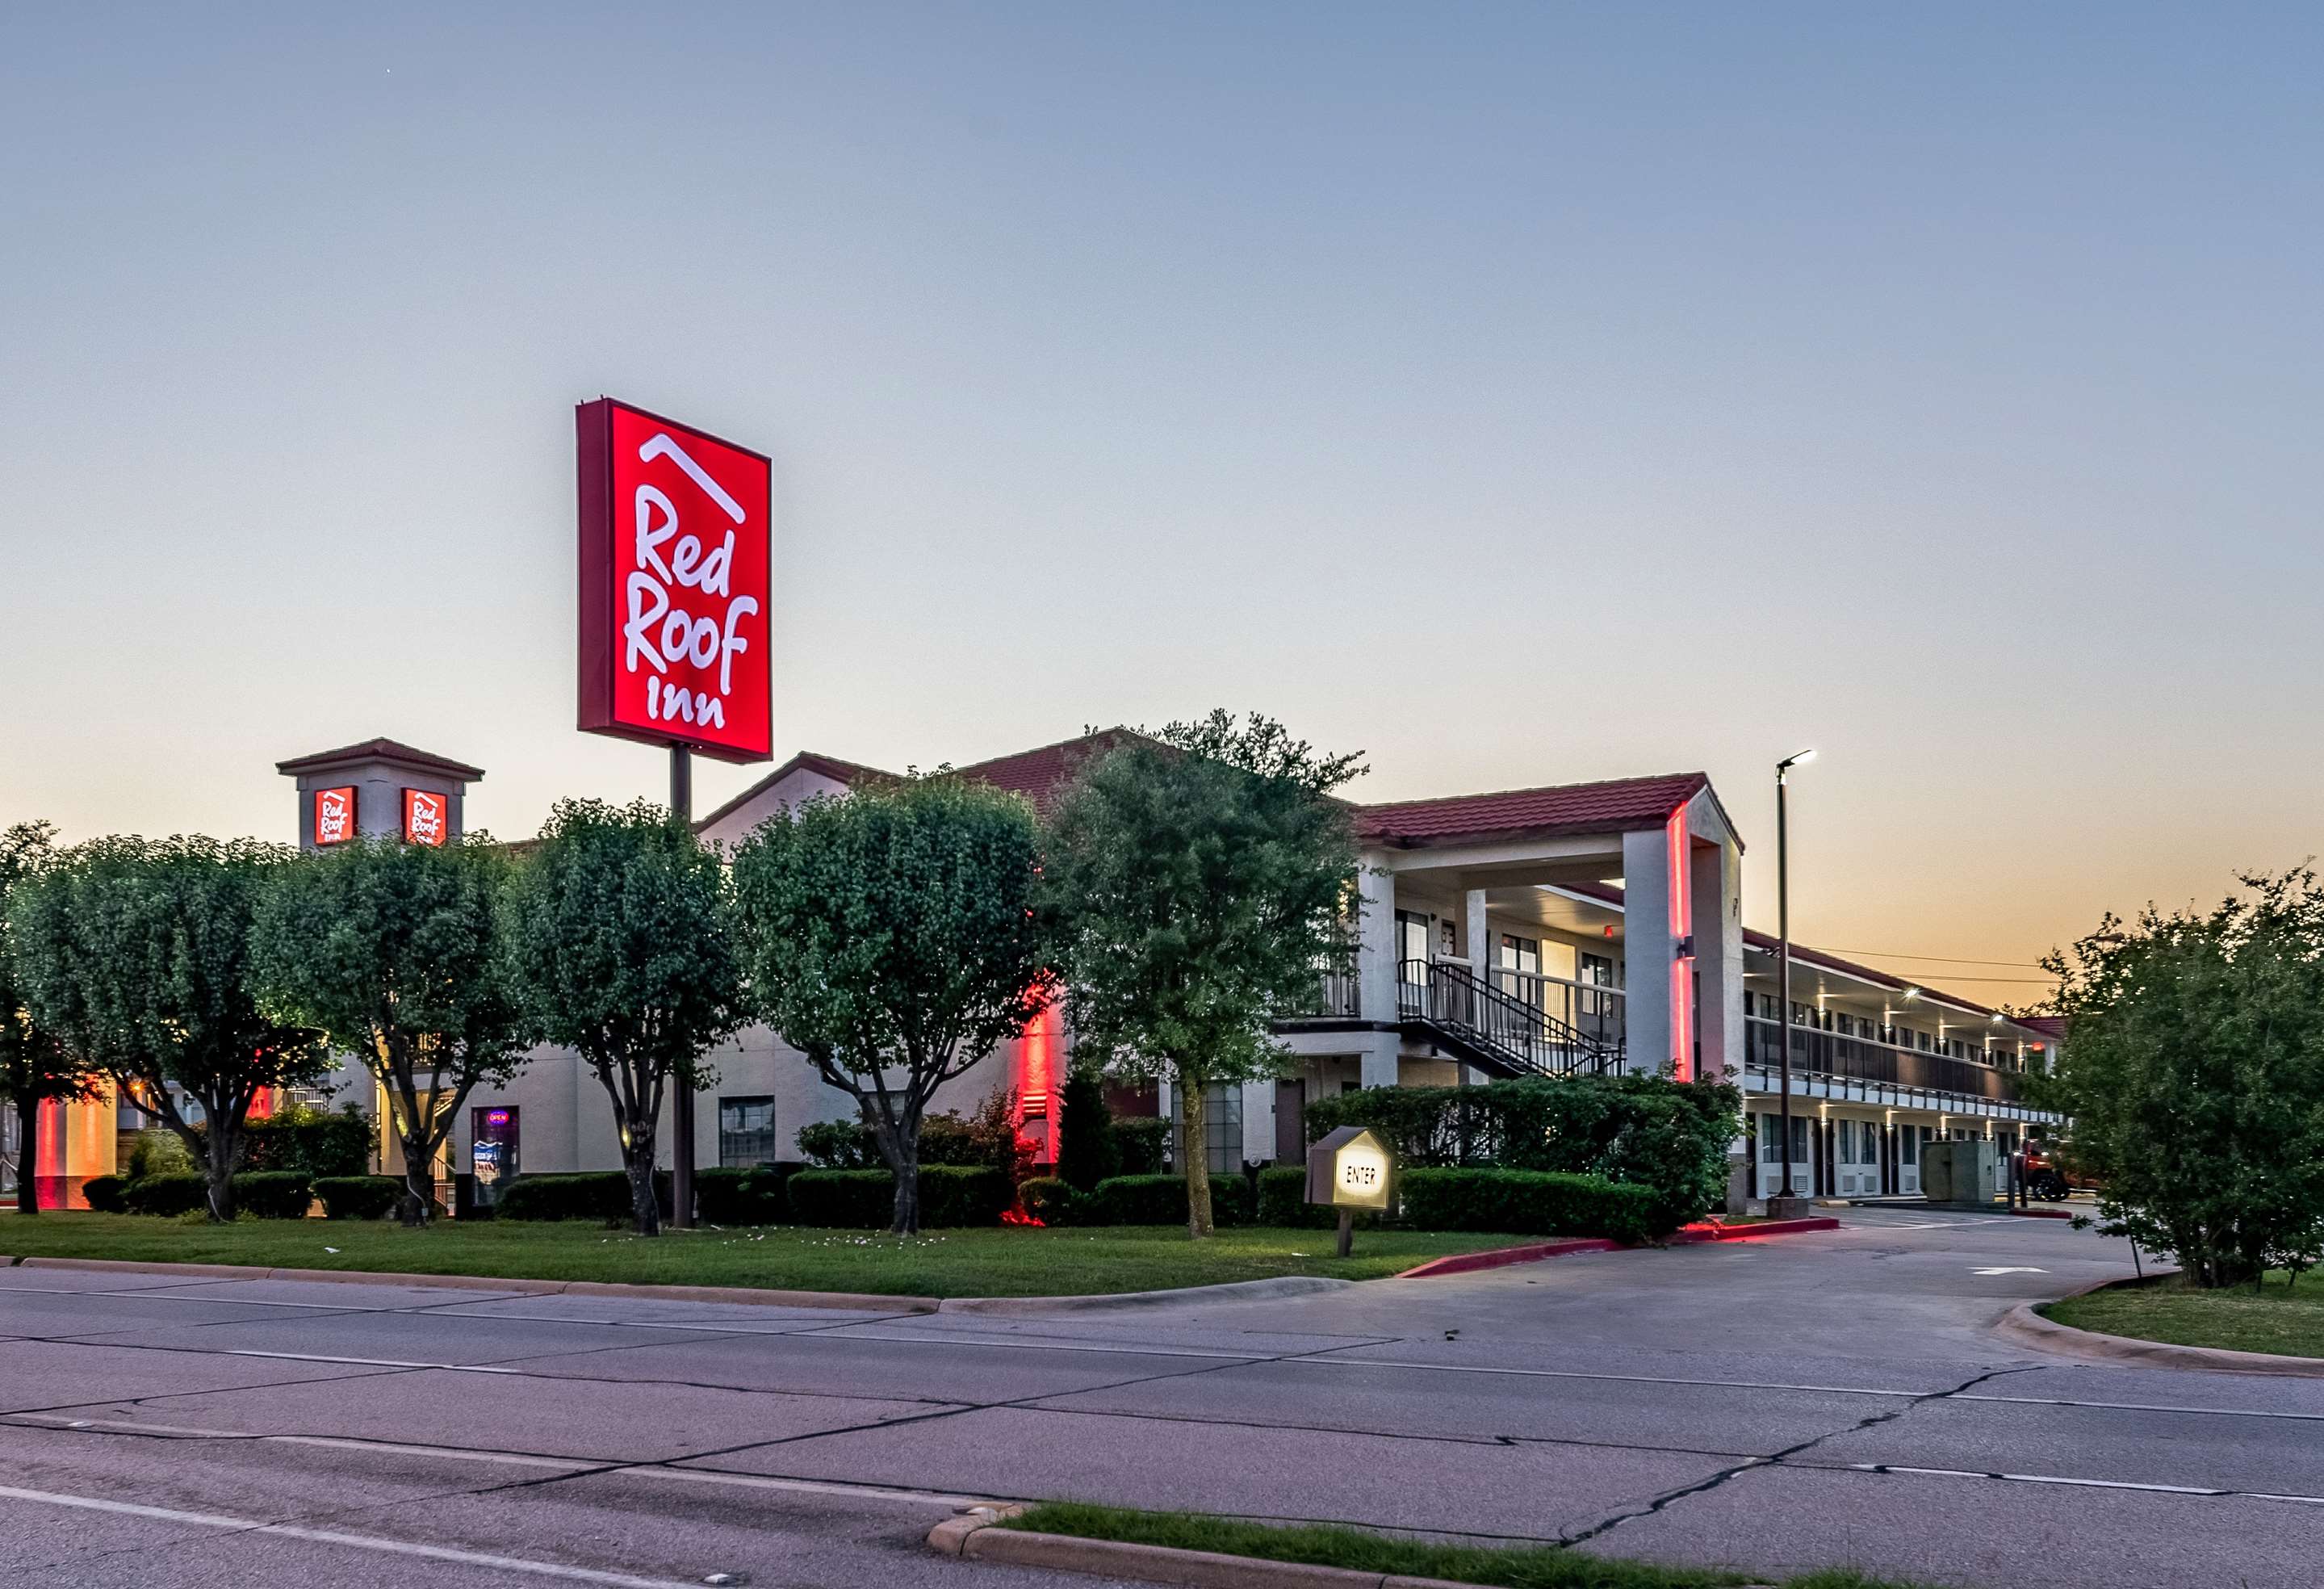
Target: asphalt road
[1830,1399]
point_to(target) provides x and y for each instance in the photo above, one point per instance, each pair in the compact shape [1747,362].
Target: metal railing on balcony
[1592,1008]
[1825,1053]
[1519,1035]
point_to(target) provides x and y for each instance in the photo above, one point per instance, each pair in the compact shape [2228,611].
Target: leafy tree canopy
[35,1066]
[137,954]
[392,951]
[1202,881]
[618,948]
[2193,1069]
[892,938]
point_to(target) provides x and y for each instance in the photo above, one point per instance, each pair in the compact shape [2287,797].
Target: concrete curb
[851,1301]
[2022,1325]
[1267,1290]
[972,1535]
[1500,1257]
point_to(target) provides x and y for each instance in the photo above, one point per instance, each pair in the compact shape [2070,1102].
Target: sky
[1519,394]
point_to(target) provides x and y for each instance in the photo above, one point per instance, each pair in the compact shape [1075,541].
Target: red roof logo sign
[335,815]
[674,585]
[423,817]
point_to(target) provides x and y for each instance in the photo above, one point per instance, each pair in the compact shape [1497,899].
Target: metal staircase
[1444,1001]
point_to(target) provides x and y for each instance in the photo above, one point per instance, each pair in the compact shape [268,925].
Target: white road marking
[1957,1472]
[459,1368]
[1565,1373]
[204,1520]
[2010,1268]
[2138,1407]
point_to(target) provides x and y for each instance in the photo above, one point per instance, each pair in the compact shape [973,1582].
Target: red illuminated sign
[335,815]
[674,585]
[423,817]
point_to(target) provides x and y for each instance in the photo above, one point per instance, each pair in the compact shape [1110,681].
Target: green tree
[135,953]
[392,951]
[1201,881]
[891,937]
[1086,1150]
[2193,1069]
[35,1066]
[618,949]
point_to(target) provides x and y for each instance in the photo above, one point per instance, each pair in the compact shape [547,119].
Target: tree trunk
[638,1160]
[27,1154]
[220,1172]
[1196,1159]
[899,1145]
[419,1199]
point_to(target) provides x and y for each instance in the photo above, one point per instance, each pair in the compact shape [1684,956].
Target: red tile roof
[850,773]
[1041,774]
[1618,804]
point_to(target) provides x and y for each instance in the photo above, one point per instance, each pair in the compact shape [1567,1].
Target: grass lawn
[1537,1566]
[2281,1317]
[1003,1263]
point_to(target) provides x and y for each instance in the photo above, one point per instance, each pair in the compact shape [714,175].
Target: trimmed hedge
[1528,1201]
[1054,1200]
[1088,1146]
[1141,1143]
[107,1194]
[600,1194]
[1161,1199]
[265,1194]
[1283,1202]
[310,1141]
[167,1195]
[1670,1136]
[950,1195]
[274,1193]
[756,1195]
[358,1197]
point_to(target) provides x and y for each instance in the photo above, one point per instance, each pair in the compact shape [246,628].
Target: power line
[1941,959]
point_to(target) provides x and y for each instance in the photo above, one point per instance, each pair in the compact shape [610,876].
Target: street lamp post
[1786,1204]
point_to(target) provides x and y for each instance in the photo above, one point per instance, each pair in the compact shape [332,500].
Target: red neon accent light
[1682,926]
[1019,1216]
[1037,1075]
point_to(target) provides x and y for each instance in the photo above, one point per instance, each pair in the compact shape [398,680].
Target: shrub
[1053,1201]
[274,1193]
[1530,1202]
[167,1195]
[865,1199]
[1087,1147]
[838,1145]
[1671,1137]
[358,1197]
[311,1141]
[1161,1199]
[1140,1143]
[599,1195]
[755,1196]
[158,1152]
[106,1193]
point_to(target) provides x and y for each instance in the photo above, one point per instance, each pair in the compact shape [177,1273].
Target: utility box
[1966,1174]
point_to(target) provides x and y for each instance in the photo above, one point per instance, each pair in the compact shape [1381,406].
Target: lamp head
[1790,762]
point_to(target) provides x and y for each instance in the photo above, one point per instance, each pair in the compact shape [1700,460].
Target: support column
[1646,949]
[1717,889]
[1376,972]
[1480,937]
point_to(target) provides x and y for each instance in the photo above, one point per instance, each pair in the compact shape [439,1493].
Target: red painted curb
[1501,1257]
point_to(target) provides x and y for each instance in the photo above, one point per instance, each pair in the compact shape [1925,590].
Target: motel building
[1499,938]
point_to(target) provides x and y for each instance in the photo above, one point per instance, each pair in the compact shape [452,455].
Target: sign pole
[681,1121]
[1347,1231]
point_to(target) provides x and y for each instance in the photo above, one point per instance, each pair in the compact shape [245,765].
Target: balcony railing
[1516,1034]
[1826,1053]
[1589,1008]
